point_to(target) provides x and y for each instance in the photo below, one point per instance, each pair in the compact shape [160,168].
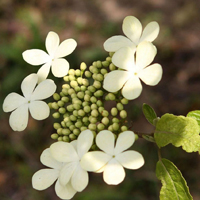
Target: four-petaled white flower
[64,158]
[132,28]
[114,158]
[60,66]
[30,102]
[136,69]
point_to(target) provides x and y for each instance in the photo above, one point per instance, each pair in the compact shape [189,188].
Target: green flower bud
[65,138]
[50,105]
[56,125]
[83,88]
[63,124]
[85,103]
[100,109]
[66,78]
[72,118]
[77,89]
[123,114]
[94,63]
[103,71]
[95,70]
[93,120]
[100,77]
[72,136]
[94,76]
[93,106]
[72,127]
[76,106]
[85,119]
[71,91]
[83,66]
[54,105]
[99,103]
[80,95]
[91,68]
[92,127]
[79,80]
[105,63]
[75,113]
[101,126]
[70,108]
[76,131]
[94,113]
[76,101]
[136,137]
[62,110]
[74,96]
[54,136]
[97,84]
[93,99]
[83,128]
[111,97]
[56,115]
[66,131]
[69,123]
[88,74]
[85,82]
[112,67]
[114,111]
[105,121]
[78,124]
[60,138]
[120,106]
[91,88]
[108,59]
[61,103]
[59,131]
[65,99]
[77,72]
[87,109]
[87,97]
[111,54]
[105,113]
[110,128]
[74,84]
[124,101]
[56,96]
[67,86]
[98,93]
[124,128]
[88,92]
[66,119]
[115,126]
[71,72]
[81,113]
[99,65]
[72,78]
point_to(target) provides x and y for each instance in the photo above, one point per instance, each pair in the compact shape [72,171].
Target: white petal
[113,173]
[36,56]
[95,160]
[79,179]
[66,172]
[19,118]
[28,85]
[85,140]
[150,32]
[65,48]
[74,143]
[64,192]
[115,43]
[105,140]
[124,141]
[115,80]
[132,28]
[47,160]
[63,152]
[124,58]
[132,89]
[145,54]
[151,75]
[44,90]
[52,42]
[43,72]
[13,101]
[39,110]
[130,159]
[44,178]
[60,67]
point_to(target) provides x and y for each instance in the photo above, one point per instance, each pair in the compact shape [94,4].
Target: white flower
[134,70]
[64,158]
[114,158]
[60,66]
[30,102]
[132,28]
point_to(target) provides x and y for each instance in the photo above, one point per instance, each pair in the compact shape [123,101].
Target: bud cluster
[81,103]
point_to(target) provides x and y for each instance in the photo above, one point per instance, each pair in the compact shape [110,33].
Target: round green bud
[50,105]
[66,131]
[87,97]
[65,138]
[79,80]
[71,91]
[77,72]
[61,103]
[85,103]
[100,109]
[56,125]
[83,66]
[124,128]
[56,96]
[112,67]
[87,109]
[105,120]
[76,101]
[91,68]
[65,91]
[81,113]
[115,126]
[124,101]
[111,97]
[94,113]
[66,115]
[105,113]
[94,76]
[88,92]
[85,119]
[72,136]
[98,93]
[72,78]
[54,136]
[66,78]
[62,110]
[93,120]
[123,114]
[63,124]
[77,89]
[71,72]
[92,127]
[76,131]
[110,128]
[75,113]
[97,84]
[93,99]
[99,103]
[80,95]
[91,88]
[88,74]
[99,77]
[54,105]
[85,82]
[115,120]
[100,126]
[83,128]
[66,119]
[56,115]
[93,106]
[69,123]
[76,106]
[95,70]
[99,65]
[111,54]
[120,106]
[74,96]
[94,63]
[72,118]
[103,71]
[136,137]
[60,138]
[74,84]
[62,94]
[83,88]
[59,131]
[65,99]
[67,86]
[108,59]
[72,127]
[105,63]
[70,108]
[78,124]
[114,111]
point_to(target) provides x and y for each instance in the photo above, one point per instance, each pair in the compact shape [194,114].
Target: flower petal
[52,42]
[113,173]
[44,178]
[13,101]
[65,48]
[132,89]
[44,90]
[63,152]
[145,54]
[79,179]
[64,192]
[124,58]
[43,72]
[36,56]
[28,85]
[115,80]
[47,160]
[85,140]
[39,110]
[74,144]
[66,172]
[124,141]
[115,43]
[60,67]
[93,161]
[105,140]
[150,32]
[130,159]
[132,28]
[151,75]
[19,118]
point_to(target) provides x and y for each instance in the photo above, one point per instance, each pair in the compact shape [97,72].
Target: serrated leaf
[174,186]
[196,115]
[149,113]
[179,131]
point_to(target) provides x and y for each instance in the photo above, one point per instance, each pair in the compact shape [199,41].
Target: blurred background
[25,24]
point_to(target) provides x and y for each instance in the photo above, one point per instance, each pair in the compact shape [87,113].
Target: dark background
[25,24]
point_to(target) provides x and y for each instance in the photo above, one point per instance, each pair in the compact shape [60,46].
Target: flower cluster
[90,136]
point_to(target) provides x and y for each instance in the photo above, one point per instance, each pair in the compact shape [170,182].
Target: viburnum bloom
[54,59]
[132,28]
[112,160]
[31,101]
[132,69]
[64,159]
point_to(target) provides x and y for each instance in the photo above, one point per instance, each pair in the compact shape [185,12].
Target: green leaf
[149,113]
[174,186]
[179,131]
[195,114]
